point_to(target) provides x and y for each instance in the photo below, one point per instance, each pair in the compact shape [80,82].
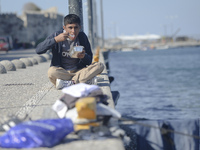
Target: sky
[130,17]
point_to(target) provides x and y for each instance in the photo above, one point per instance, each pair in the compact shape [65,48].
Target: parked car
[4,45]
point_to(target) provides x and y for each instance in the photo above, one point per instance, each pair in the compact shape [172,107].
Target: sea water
[157,84]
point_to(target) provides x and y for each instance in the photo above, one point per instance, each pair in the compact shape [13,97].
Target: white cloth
[80,89]
[72,114]
[103,110]
[60,108]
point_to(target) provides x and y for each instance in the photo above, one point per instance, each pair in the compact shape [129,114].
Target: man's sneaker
[92,81]
[63,83]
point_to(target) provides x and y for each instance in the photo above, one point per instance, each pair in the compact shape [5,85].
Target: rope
[126,121]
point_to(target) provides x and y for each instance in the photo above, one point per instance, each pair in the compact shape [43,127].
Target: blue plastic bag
[39,133]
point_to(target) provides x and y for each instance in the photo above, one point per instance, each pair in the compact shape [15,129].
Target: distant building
[139,38]
[33,25]
[134,42]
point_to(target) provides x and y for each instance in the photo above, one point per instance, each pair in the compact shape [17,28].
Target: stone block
[26,61]
[47,56]
[33,60]
[8,65]
[18,64]
[2,69]
[40,58]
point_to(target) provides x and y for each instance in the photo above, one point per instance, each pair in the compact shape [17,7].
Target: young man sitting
[65,69]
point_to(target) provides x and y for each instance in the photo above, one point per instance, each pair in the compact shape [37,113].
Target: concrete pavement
[28,91]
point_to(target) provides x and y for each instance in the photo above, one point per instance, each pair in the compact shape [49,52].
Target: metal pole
[75,7]
[90,23]
[102,26]
[0,6]
[95,26]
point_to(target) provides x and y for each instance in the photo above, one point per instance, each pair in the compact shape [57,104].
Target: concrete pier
[29,91]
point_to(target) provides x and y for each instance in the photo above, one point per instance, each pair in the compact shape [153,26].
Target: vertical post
[90,23]
[102,26]
[0,6]
[95,26]
[75,7]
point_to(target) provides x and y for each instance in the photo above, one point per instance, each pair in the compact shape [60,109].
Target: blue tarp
[150,138]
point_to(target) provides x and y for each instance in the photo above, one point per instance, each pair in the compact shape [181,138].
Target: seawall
[29,91]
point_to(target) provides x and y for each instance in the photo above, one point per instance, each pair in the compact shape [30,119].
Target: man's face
[73,30]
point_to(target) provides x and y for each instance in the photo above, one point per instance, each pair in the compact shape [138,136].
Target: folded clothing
[80,89]
[68,101]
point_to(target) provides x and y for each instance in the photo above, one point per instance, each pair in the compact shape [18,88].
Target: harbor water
[157,84]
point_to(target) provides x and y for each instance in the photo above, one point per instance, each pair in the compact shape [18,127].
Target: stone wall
[11,25]
[31,26]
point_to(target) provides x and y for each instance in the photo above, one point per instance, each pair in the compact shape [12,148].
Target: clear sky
[130,17]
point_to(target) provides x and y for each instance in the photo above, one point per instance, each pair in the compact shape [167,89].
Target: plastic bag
[39,133]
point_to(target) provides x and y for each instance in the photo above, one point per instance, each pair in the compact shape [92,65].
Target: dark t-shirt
[68,62]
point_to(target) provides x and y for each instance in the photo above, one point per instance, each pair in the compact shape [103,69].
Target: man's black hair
[72,19]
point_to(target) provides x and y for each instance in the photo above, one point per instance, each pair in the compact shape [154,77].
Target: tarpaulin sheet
[151,138]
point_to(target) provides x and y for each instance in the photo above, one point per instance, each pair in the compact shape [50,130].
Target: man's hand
[61,37]
[81,55]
